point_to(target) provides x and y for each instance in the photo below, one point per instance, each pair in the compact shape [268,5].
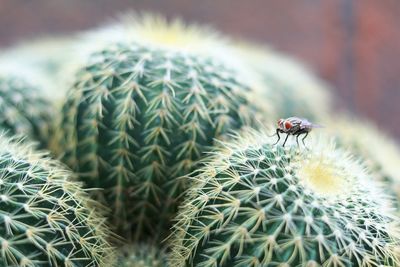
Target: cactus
[256,204]
[34,71]
[291,86]
[45,219]
[378,151]
[23,111]
[41,61]
[142,255]
[137,121]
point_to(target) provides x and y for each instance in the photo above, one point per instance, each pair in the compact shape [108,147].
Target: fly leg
[287,136]
[297,139]
[279,137]
[298,133]
[304,138]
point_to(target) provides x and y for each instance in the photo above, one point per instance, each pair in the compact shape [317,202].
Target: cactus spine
[256,204]
[138,119]
[23,111]
[45,219]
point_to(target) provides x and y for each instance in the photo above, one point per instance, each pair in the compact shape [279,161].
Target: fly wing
[316,126]
[303,122]
[307,124]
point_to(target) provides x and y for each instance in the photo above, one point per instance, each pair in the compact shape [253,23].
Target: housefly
[294,126]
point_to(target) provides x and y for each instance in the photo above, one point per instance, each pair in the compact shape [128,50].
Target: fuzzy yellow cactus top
[155,31]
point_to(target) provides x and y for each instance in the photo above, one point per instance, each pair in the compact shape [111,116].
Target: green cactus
[142,255]
[137,121]
[23,111]
[256,204]
[45,219]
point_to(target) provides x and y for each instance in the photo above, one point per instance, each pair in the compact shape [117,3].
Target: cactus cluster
[255,204]
[160,123]
[142,255]
[45,219]
[138,119]
[23,110]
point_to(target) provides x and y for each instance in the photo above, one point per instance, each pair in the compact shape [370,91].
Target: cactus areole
[137,121]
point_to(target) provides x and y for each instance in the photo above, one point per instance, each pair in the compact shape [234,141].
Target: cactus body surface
[256,204]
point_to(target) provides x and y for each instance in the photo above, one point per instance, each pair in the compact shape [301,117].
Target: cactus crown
[137,119]
[23,111]
[255,204]
[45,219]
[156,31]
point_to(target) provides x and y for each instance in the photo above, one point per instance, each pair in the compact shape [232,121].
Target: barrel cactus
[136,122]
[45,219]
[41,61]
[291,86]
[256,204]
[142,255]
[23,111]
[380,152]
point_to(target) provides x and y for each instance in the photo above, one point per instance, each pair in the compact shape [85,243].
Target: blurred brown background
[354,45]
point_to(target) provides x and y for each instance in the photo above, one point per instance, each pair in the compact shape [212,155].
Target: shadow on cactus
[46,220]
[255,204]
[23,111]
[136,122]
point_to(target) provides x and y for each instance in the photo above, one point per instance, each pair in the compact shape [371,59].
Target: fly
[294,126]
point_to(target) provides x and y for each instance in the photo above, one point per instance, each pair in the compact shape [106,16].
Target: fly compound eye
[288,125]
